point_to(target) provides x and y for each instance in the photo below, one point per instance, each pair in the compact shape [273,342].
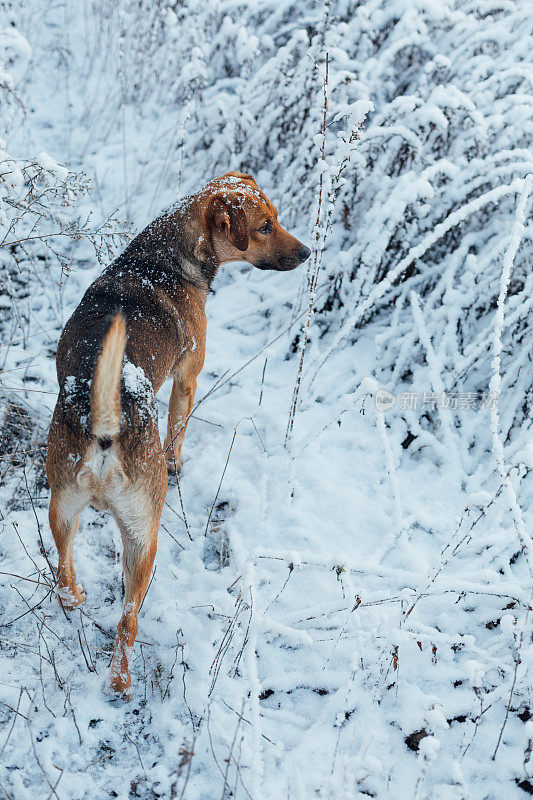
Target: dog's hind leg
[64,515]
[137,511]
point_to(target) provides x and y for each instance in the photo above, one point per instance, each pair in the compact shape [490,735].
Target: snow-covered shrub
[429,196]
[39,228]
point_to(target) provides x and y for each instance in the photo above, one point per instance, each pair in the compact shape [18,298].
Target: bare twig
[221,479]
[317,251]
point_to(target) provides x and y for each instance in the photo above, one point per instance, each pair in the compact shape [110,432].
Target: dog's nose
[304,253]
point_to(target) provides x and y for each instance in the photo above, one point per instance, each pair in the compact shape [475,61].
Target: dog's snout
[303,253]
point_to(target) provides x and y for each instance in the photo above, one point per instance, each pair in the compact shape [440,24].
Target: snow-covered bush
[430,194]
[40,225]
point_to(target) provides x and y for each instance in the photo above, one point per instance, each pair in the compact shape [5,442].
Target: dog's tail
[105,388]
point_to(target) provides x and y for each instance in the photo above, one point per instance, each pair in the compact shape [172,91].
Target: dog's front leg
[179,409]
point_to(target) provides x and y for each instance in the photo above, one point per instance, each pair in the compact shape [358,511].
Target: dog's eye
[266,227]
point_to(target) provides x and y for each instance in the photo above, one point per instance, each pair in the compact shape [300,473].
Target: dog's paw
[119,680]
[118,688]
[117,698]
[174,471]
[173,466]
[71,599]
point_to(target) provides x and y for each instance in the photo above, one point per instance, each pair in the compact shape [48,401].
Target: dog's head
[241,224]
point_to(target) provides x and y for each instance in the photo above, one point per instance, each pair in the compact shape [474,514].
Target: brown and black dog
[141,321]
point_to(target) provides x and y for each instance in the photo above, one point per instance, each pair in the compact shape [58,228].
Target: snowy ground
[338,619]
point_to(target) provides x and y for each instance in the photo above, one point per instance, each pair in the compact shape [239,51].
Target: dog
[140,322]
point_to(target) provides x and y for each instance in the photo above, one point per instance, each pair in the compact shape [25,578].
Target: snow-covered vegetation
[341,605]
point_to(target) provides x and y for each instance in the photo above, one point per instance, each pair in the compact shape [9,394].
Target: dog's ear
[225,213]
